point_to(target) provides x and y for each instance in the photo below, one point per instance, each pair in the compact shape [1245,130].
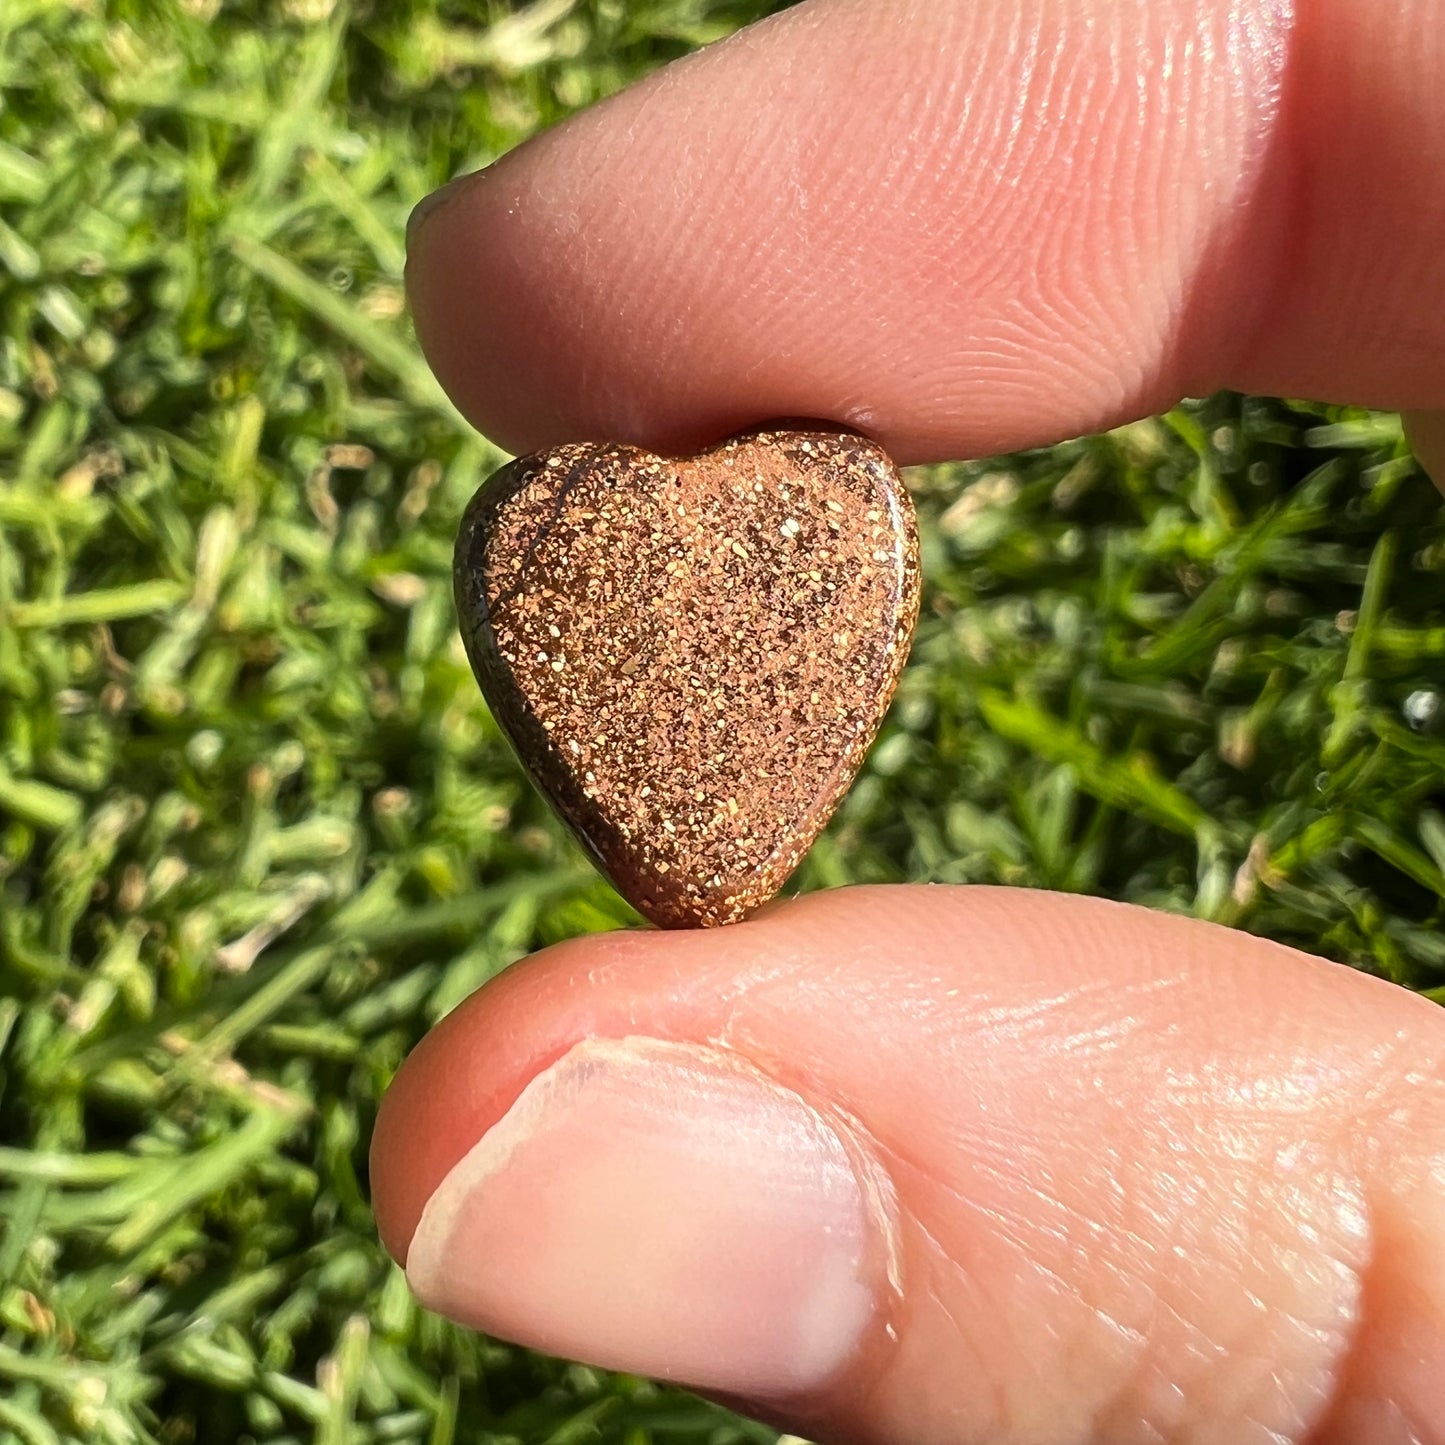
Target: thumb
[946,1164]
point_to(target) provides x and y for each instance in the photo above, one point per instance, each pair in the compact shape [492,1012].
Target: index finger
[963,226]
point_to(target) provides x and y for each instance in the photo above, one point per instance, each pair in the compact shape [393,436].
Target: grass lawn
[257,832]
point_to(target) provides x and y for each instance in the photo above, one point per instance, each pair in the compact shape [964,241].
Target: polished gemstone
[691,657]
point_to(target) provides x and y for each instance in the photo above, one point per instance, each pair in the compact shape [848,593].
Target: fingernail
[663,1209]
[430,205]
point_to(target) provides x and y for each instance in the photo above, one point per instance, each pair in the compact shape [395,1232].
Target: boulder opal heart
[692,657]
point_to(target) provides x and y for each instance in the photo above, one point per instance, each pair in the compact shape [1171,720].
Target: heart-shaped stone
[691,657]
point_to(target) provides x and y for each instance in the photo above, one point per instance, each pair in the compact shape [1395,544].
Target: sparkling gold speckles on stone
[692,657]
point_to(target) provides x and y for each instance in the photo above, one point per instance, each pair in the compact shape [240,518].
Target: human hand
[954,1164]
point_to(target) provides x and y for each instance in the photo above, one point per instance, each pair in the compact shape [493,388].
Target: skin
[966,226]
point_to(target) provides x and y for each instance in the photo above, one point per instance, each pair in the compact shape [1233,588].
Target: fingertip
[464,1076]
[956,234]
[671,986]
[1062,1119]
[747,236]
[634,1173]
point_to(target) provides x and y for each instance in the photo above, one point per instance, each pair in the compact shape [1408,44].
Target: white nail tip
[662,1208]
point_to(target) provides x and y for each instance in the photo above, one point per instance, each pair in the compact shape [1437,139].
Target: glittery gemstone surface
[691,657]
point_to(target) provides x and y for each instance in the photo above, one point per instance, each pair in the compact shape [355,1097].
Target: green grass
[257,832]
